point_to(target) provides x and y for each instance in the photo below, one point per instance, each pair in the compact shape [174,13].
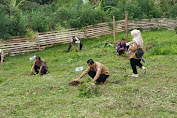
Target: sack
[139,53]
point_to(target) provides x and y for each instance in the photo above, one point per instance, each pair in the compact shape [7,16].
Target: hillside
[151,95]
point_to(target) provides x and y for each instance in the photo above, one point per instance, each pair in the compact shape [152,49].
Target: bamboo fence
[20,45]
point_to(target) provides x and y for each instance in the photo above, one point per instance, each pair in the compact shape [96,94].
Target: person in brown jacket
[97,71]
[134,46]
[39,66]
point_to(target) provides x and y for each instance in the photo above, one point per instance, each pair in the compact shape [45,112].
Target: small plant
[88,90]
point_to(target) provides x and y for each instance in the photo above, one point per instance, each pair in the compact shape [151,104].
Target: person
[1,56]
[39,66]
[134,46]
[97,71]
[74,40]
[121,47]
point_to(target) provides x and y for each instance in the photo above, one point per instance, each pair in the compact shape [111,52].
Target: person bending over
[39,66]
[73,41]
[97,71]
[121,47]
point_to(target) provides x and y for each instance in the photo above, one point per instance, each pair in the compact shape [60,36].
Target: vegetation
[151,95]
[21,17]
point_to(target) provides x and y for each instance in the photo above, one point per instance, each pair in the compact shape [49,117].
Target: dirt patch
[75,83]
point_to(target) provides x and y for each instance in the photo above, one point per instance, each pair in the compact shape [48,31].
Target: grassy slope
[152,94]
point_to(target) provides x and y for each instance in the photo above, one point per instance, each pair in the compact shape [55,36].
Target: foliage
[48,15]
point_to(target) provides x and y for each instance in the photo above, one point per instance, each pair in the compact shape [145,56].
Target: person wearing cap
[1,56]
[39,66]
[97,71]
[121,47]
[74,40]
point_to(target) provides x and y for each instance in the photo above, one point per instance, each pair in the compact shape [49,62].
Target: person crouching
[97,71]
[39,66]
[121,47]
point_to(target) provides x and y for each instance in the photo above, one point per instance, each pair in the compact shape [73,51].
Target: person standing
[39,66]
[97,71]
[74,40]
[121,47]
[134,46]
[1,56]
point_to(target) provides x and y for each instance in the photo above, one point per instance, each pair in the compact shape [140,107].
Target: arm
[79,47]
[98,73]
[118,47]
[83,74]
[32,68]
[133,47]
[2,57]
[73,46]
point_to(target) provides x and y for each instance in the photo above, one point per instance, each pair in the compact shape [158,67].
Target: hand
[76,79]
[94,81]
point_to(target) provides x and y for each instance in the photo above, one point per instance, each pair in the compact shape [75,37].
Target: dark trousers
[73,44]
[43,71]
[121,52]
[134,63]
[101,78]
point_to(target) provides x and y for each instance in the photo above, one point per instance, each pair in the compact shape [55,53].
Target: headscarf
[136,34]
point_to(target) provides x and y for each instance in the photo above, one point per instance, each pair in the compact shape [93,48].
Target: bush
[118,13]
[39,22]
[164,48]
[174,10]
[6,25]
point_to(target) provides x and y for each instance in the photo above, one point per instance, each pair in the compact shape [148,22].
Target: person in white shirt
[74,40]
[1,56]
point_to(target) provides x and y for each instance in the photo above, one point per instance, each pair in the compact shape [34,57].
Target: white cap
[0,51]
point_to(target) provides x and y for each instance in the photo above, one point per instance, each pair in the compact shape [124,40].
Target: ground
[150,95]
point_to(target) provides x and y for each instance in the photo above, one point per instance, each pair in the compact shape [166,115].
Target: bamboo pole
[114,32]
[126,25]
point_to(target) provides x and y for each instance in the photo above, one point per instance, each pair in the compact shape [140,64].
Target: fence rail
[19,45]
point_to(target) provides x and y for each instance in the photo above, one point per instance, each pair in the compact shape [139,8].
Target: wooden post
[38,42]
[85,32]
[126,25]
[114,32]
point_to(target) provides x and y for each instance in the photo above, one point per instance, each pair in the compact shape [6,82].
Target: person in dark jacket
[121,47]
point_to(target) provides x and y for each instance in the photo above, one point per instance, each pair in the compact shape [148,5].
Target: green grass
[151,95]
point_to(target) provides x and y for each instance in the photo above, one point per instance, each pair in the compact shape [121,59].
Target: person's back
[42,63]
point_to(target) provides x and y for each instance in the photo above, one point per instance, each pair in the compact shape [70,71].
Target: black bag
[139,53]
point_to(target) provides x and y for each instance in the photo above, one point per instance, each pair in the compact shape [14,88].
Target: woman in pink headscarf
[134,46]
